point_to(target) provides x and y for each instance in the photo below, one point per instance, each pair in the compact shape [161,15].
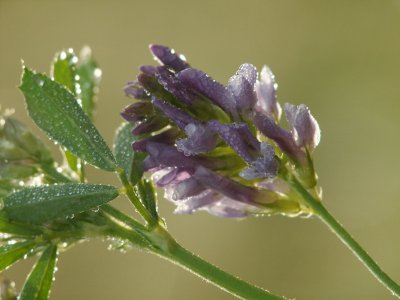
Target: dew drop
[97,73]
[63,55]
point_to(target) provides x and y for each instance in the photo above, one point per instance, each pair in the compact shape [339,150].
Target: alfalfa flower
[218,147]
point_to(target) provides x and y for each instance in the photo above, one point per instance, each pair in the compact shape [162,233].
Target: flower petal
[137,111]
[178,116]
[169,57]
[266,94]
[133,90]
[263,167]
[304,126]
[170,83]
[205,85]
[283,138]
[233,135]
[199,139]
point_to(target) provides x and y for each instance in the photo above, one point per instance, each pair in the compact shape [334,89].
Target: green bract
[127,159]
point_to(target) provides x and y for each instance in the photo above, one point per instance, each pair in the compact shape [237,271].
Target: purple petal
[199,139]
[148,70]
[205,85]
[170,176]
[179,117]
[226,186]
[232,135]
[176,88]
[133,90]
[304,126]
[263,167]
[137,111]
[167,137]
[266,94]
[169,156]
[151,124]
[169,57]
[283,138]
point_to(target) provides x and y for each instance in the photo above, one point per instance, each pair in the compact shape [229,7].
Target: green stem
[216,276]
[176,254]
[347,239]
[134,199]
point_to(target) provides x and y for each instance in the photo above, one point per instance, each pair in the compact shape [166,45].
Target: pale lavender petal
[276,184]
[191,204]
[169,57]
[187,188]
[229,208]
[283,138]
[179,117]
[170,175]
[249,72]
[263,167]
[199,139]
[304,126]
[242,92]
[266,94]
[232,135]
[205,85]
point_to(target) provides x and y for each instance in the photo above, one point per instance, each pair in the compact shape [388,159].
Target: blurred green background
[341,58]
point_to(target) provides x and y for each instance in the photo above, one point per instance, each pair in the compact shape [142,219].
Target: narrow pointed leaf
[38,284]
[11,253]
[147,195]
[126,158]
[56,111]
[45,203]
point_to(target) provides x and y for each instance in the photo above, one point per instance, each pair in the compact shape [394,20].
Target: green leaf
[64,72]
[89,78]
[6,226]
[11,253]
[18,143]
[56,111]
[64,69]
[147,195]
[45,203]
[38,284]
[126,158]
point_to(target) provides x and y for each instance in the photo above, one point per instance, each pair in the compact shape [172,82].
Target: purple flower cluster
[216,147]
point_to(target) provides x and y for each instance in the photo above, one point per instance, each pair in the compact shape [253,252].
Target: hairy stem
[216,276]
[347,239]
[178,255]
[134,199]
